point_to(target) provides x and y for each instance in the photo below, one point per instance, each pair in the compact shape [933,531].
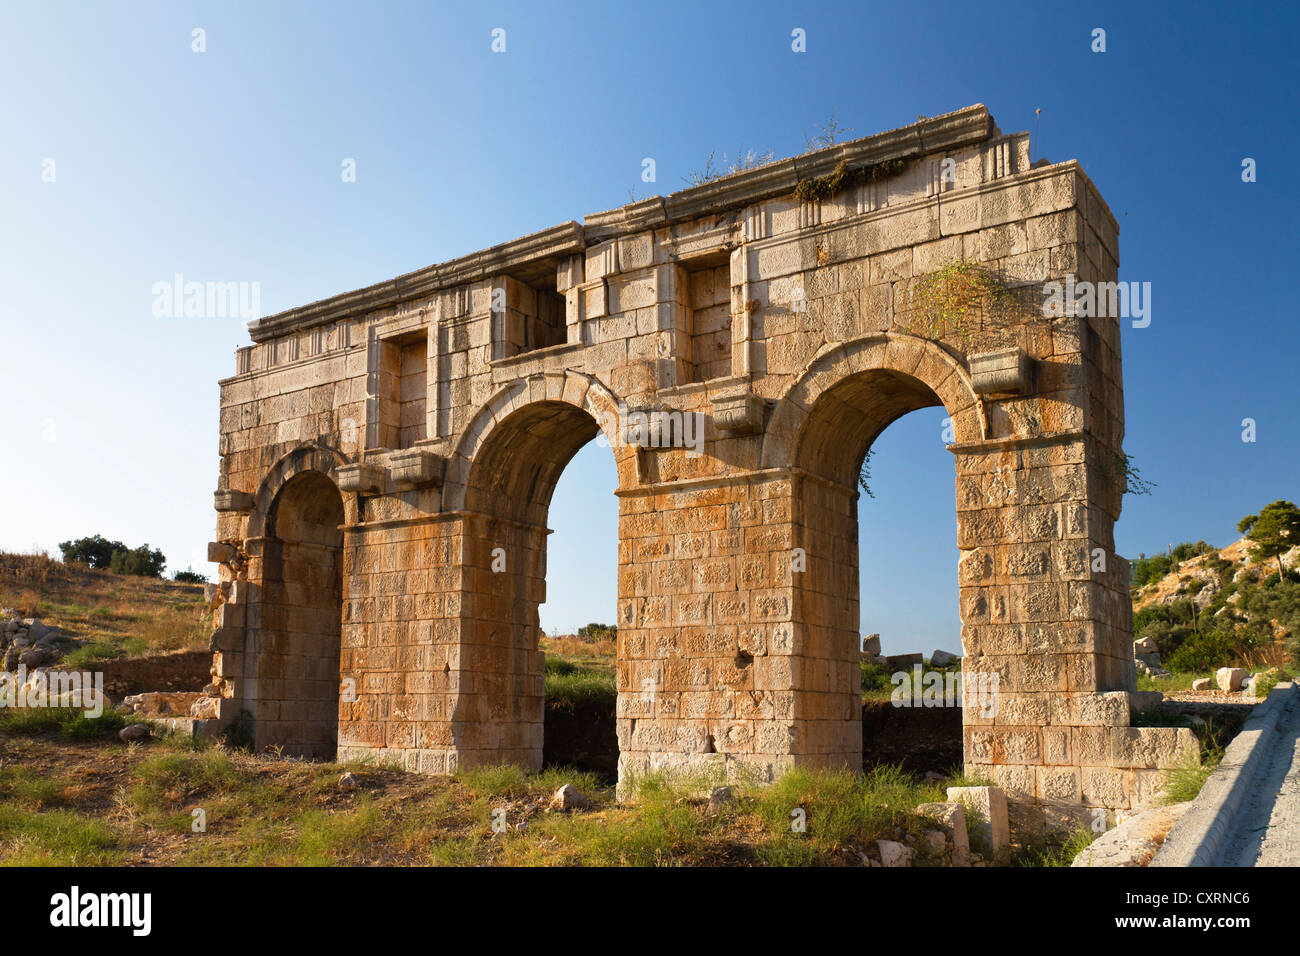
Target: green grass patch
[842,809]
[89,654]
[1183,781]
[68,721]
[1178,682]
[48,837]
[578,686]
[1055,849]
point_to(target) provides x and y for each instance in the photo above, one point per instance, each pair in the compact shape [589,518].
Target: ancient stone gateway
[388,457]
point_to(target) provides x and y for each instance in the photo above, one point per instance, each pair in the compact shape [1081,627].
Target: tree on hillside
[96,551]
[139,561]
[1274,530]
[99,552]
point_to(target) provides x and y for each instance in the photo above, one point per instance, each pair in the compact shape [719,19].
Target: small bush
[1147,570]
[95,551]
[559,666]
[598,632]
[102,553]
[1202,651]
[875,677]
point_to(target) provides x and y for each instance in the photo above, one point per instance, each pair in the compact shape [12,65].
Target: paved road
[1267,830]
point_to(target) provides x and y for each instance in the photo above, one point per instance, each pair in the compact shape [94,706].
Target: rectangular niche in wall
[527,315]
[403,389]
[709,305]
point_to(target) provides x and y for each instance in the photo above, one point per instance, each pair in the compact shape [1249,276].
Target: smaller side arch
[302,459]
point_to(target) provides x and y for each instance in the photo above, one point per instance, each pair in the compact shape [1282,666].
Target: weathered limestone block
[232,501]
[361,477]
[415,468]
[952,817]
[1230,678]
[992,833]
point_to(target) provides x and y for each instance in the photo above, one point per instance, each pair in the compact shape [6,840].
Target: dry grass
[110,803]
[1270,655]
[122,614]
[581,651]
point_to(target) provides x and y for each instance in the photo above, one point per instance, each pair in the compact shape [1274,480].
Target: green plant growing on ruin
[864,475]
[1184,780]
[831,132]
[745,159]
[1134,483]
[962,297]
[824,187]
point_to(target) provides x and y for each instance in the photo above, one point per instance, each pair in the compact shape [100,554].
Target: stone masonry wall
[444,404]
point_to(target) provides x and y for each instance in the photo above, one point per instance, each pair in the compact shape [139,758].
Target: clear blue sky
[225,166]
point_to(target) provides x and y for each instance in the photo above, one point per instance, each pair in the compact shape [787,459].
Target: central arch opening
[508,497]
[840,608]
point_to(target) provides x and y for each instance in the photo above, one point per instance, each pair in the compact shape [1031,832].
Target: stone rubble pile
[1146,658]
[28,642]
[1230,680]
[950,841]
[870,649]
[158,704]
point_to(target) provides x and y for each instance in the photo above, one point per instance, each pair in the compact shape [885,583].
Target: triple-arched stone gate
[388,458]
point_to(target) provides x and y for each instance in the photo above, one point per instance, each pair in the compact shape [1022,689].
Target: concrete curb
[1197,839]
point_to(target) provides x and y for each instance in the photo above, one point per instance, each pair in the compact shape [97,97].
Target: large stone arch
[550,396]
[474,380]
[902,356]
[500,481]
[821,430]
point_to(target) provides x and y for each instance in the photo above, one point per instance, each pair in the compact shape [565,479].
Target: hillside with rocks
[1216,610]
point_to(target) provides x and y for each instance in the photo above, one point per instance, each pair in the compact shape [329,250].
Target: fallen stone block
[952,817]
[1230,678]
[903,662]
[1201,683]
[1133,842]
[894,854]
[134,732]
[993,832]
[158,704]
[943,659]
[720,798]
[568,797]
[35,657]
